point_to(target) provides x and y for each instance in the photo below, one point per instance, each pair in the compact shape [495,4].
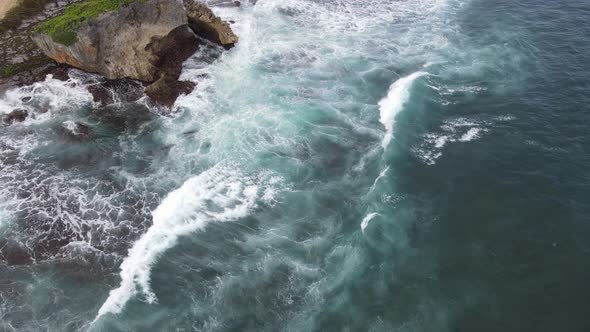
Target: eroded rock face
[207,25]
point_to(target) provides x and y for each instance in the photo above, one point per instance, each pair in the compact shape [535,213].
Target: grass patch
[62,28]
[8,71]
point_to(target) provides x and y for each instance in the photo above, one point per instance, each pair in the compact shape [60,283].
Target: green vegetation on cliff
[62,28]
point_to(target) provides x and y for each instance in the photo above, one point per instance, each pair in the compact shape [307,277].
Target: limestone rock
[206,24]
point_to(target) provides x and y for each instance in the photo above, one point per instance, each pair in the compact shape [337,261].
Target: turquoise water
[351,165]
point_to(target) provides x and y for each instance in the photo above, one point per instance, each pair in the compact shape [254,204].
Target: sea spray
[393,103]
[219,194]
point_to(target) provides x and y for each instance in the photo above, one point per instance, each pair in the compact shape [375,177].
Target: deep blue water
[351,165]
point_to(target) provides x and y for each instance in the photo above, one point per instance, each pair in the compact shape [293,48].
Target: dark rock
[171,51]
[110,92]
[190,132]
[26,99]
[33,75]
[16,254]
[59,72]
[17,115]
[134,117]
[165,90]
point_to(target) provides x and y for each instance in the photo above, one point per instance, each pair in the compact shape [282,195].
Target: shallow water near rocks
[349,165]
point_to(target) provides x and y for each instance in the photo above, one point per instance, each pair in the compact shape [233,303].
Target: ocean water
[351,165]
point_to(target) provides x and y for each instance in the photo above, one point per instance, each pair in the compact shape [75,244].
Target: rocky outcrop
[211,27]
[166,89]
[146,40]
[116,44]
[17,115]
[108,92]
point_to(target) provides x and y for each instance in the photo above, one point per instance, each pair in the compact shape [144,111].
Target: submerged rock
[17,115]
[146,40]
[77,131]
[110,92]
[15,253]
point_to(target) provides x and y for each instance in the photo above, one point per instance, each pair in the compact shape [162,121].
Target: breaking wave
[393,103]
[218,194]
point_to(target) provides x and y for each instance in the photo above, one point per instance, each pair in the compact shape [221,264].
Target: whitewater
[260,118]
[333,171]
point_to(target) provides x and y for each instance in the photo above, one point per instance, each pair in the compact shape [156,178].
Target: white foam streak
[470,135]
[393,103]
[368,219]
[218,194]
[451,131]
[381,175]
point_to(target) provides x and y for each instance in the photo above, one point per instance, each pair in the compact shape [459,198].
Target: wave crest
[218,194]
[393,103]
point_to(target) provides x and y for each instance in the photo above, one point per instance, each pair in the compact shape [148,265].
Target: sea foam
[51,95]
[393,103]
[218,194]
[458,130]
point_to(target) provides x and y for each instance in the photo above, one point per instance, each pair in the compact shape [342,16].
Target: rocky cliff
[147,40]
